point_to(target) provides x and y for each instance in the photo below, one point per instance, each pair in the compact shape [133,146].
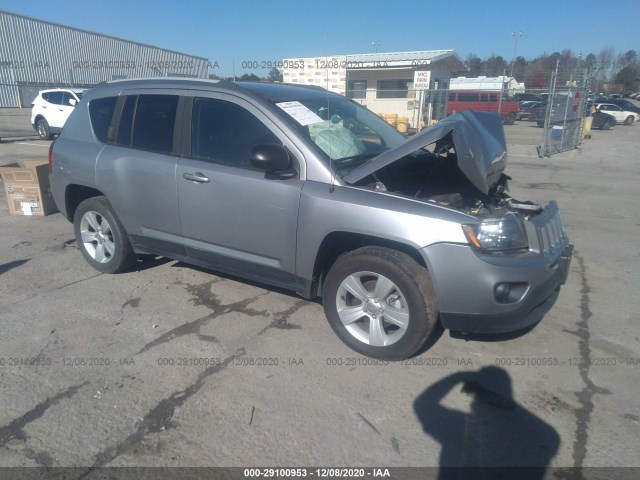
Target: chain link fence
[566,109]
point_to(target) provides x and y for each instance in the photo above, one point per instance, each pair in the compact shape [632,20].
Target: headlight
[497,235]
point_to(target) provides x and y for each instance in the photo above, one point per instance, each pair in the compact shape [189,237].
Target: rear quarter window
[101,113]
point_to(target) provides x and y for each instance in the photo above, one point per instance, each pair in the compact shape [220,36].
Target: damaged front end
[459,163]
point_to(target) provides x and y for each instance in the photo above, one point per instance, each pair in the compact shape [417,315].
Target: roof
[482,79]
[409,59]
[59,25]
[400,59]
[426,55]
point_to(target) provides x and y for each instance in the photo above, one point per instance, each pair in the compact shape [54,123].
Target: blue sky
[234,31]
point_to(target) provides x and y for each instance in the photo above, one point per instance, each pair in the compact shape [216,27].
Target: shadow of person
[497,439]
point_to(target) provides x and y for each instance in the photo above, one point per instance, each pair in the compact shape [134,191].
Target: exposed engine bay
[433,174]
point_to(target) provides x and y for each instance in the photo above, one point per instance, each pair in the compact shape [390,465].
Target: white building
[383,82]
[501,83]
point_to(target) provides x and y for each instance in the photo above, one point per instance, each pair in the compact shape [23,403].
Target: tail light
[51,156]
[32,105]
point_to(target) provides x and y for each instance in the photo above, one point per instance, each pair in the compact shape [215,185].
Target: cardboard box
[27,188]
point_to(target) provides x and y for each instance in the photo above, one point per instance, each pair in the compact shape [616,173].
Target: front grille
[551,234]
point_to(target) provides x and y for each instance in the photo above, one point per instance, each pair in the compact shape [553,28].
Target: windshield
[342,131]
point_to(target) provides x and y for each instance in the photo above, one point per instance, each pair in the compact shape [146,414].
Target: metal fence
[566,109]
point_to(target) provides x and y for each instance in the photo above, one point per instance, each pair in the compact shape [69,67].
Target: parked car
[602,120]
[525,109]
[561,110]
[306,190]
[537,113]
[482,101]
[621,116]
[527,97]
[625,105]
[51,108]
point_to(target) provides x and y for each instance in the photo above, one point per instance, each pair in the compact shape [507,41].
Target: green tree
[629,78]
[274,75]
[250,77]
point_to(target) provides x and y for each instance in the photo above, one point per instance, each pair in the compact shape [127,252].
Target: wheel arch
[337,243]
[76,194]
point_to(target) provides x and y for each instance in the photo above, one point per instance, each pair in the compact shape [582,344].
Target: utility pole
[376,44]
[515,35]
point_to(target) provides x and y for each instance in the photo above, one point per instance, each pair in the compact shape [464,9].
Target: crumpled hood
[479,143]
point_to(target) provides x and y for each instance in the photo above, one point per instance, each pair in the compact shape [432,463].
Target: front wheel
[606,125]
[380,302]
[101,237]
[628,120]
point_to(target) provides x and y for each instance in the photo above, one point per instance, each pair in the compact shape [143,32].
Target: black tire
[541,124]
[606,125]
[628,120]
[509,118]
[42,127]
[113,242]
[411,292]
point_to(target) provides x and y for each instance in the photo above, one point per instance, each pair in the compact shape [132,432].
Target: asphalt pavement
[171,365]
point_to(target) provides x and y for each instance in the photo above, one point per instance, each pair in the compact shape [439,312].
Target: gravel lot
[170,365]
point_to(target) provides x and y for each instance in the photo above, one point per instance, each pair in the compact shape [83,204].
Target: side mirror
[270,157]
[73,102]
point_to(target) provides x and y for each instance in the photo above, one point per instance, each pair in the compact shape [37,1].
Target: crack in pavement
[585,396]
[280,319]
[14,430]
[203,296]
[158,419]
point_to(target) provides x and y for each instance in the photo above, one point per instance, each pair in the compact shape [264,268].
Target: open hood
[478,139]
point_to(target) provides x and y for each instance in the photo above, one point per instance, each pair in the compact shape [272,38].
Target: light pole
[376,44]
[515,35]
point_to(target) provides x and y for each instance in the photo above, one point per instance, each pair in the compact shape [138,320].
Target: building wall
[35,53]
[335,73]
[326,72]
[408,106]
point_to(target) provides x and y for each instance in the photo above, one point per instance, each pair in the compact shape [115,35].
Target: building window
[357,89]
[392,88]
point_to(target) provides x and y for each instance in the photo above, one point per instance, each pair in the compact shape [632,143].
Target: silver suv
[303,189]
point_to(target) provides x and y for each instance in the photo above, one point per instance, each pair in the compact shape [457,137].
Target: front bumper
[466,284]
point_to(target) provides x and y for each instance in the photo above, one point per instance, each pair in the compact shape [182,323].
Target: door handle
[196,177]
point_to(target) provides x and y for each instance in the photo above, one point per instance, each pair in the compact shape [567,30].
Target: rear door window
[53,97]
[154,122]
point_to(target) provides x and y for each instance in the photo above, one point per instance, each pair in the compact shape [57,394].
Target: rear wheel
[606,125]
[509,118]
[380,302]
[628,120]
[44,132]
[101,237]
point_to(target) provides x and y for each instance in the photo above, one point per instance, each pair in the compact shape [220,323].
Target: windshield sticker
[300,113]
